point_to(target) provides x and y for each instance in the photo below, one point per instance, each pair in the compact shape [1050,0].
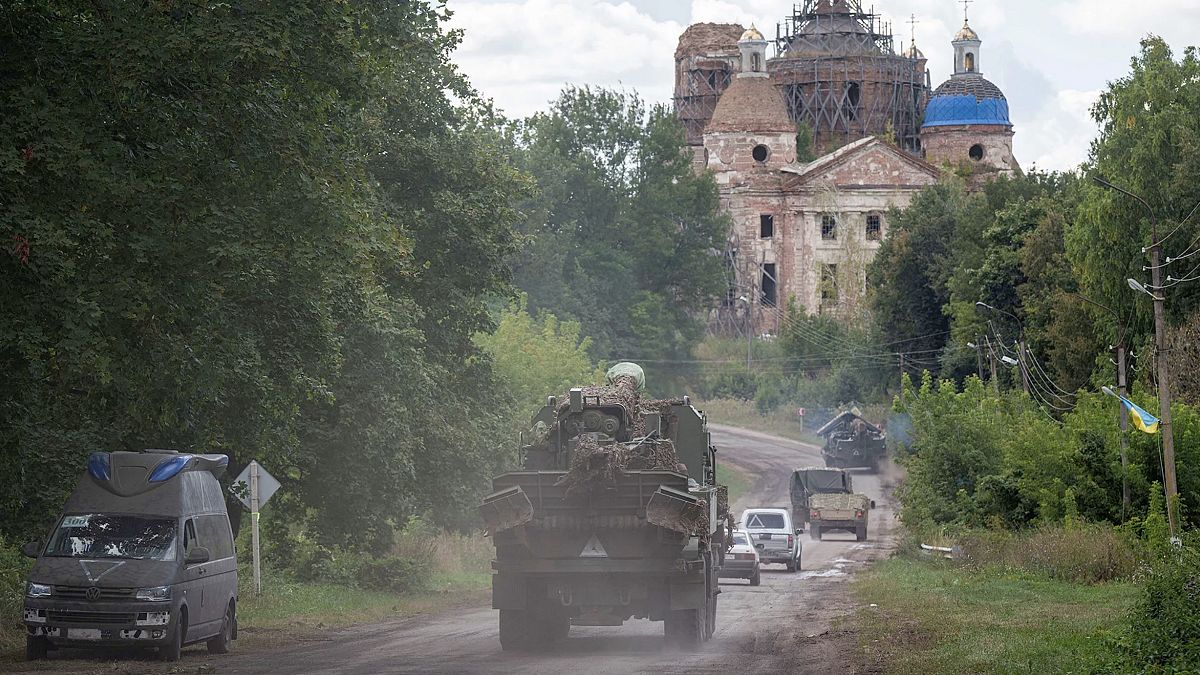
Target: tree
[623,234]
[1149,143]
[263,229]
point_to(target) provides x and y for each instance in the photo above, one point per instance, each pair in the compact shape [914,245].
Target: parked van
[141,556]
[771,531]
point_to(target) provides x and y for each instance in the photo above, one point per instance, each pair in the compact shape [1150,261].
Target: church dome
[966,34]
[752,34]
[967,100]
[751,105]
[912,52]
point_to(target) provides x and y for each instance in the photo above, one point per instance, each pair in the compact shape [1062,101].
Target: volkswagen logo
[92,594]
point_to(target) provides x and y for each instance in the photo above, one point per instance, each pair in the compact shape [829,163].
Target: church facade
[811,148]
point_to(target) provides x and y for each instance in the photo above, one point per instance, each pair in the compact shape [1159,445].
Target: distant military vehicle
[615,514]
[851,441]
[825,499]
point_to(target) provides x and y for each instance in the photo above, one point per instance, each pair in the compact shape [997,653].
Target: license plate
[765,537]
[84,633]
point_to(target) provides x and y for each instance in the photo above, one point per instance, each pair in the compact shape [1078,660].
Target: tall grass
[1087,554]
[781,421]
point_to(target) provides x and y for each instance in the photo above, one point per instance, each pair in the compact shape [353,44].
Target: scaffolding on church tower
[705,62]
[838,71]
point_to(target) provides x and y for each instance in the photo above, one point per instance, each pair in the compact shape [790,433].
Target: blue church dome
[967,100]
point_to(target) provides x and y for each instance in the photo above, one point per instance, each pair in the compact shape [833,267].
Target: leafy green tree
[263,229]
[538,357]
[623,233]
[1148,144]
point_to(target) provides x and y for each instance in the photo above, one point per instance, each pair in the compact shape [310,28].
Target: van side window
[215,536]
[189,534]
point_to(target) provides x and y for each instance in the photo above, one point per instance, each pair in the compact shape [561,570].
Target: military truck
[615,514]
[851,441]
[825,499]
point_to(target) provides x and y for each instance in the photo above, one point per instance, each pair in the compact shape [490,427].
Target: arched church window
[756,63]
[969,63]
[853,95]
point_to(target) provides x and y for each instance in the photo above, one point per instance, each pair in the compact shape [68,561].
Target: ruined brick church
[811,146]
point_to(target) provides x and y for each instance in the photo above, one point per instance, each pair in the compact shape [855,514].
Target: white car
[741,562]
[771,531]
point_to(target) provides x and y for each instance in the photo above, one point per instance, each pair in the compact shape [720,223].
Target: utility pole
[1164,389]
[902,378]
[992,360]
[978,359]
[1021,361]
[1160,356]
[1124,418]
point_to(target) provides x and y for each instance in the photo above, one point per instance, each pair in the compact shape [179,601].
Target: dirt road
[784,625]
[764,629]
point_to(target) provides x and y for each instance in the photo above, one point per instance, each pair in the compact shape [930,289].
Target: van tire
[861,533]
[756,578]
[36,648]
[170,651]
[222,641]
[815,532]
[791,565]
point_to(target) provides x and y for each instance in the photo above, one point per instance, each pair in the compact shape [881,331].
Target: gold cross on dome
[965,3]
[912,21]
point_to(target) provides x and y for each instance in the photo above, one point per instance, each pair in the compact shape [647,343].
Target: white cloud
[1120,17]
[1060,134]
[522,53]
[1049,56]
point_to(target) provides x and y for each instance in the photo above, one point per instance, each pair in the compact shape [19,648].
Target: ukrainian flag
[1141,419]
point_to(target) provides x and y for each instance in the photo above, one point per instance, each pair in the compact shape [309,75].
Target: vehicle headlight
[156,594]
[33,590]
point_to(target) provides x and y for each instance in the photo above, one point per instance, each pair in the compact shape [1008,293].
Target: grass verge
[930,617]
[737,413]
[737,480]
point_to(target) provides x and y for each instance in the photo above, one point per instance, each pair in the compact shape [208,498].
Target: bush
[1164,635]
[390,573]
[14,568]
[1087,554]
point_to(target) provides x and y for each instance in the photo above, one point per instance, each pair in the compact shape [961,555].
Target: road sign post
[254,506]
[257,487]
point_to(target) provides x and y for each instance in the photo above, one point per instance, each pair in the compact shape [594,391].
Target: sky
[1052,58]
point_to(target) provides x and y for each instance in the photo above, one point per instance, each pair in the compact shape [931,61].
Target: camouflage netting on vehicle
[595,466]
[723,512]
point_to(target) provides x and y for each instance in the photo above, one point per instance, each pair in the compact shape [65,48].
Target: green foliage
[804,143]
[1164,634]
[976,459]
[535,358]
[622,230]
[268,230]
[14,570]
[1149,137]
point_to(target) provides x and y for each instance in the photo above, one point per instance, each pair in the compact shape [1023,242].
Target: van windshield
[98,535]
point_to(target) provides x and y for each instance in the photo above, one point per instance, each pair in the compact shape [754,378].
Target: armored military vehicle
[615,514]
[851,441]
[825,499]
